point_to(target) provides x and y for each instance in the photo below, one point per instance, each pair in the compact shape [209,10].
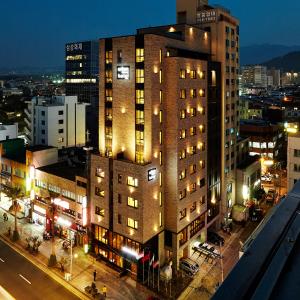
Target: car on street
[215,238]
[189,266]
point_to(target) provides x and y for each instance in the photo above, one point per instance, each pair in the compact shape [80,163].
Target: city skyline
[35,35]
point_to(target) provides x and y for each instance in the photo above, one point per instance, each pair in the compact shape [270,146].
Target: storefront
[39,215]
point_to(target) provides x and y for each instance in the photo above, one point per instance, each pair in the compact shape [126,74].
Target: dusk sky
[34,32]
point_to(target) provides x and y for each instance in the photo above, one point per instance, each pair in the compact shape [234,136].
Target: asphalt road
[24,281]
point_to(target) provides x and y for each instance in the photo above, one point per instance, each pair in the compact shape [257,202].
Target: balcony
[28,113]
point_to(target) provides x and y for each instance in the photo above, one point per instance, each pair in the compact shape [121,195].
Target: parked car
[189,266]
[214,238]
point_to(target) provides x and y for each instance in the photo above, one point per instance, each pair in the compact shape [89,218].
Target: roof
[269,268]
[38,148]
[65,169]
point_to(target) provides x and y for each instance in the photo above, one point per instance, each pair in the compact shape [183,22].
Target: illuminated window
[182,94]
[182,175]
[193,74]
[139,137]
[182,74]
[202,164]
[193,207]
[160,158]
[202,75]
[160,198]
[193,93]
[140,96]
[160,55]
[160,138]
[182,194]
[132,223]
[160,219]
[100,173]
[160,179]
[160,76]
[74,57]
[99,192]
[140,55]
[193,169]
[192,150]
[182,154]
[202,128]
[193,188]
[132,181]
[182,214]
[140,117]
[183,114]
[132,202]
[108,76]
[193,112]
[182,133]
[140,75]
[99,211]
[108,57]
[108,95]
[160,96]
[193,131]
[160,116]
[202,93]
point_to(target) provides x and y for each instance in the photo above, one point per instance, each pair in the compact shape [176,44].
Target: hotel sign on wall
[207,16]
[123,72]
[73,47]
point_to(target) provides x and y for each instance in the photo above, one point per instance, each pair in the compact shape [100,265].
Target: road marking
[2,260]
[24,279]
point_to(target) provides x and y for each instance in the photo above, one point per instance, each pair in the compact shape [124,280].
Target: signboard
[152,174]
[123,72]
[73,47]
[207,16]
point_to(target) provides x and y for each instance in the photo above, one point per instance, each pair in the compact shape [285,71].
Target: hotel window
[182,154]
[139,138]
[108,95]
[182,74]
[182,214]
[120,56]
[193,207]
[101,234]
[193,169]
[202,128]
[296,153]
[183,114]
[108,76]
[201,146]
[182,134]
[201,110]
[140,117]
[140,96]
[202,164]
[119,198]
[160,76]
[193,93]
[193,112]
[182,94]
[160,219]
[197,225]
[183,237]
[108,57]
[193,188]
[193,150]
[140,75]
[182,175]
[160,116]
[203,200]
[99,192]
[100,173]
[160,137]
[193,131]
[132,181]
[202,182]
[202,93]
[160,158]
[160,179]
[182,194]
[202,75]
[140,55]
[160,199]
[160,56]
[193,74]
[108,114]
[119,219]
[132,202]
[132,223]
[99,211]
[161,96]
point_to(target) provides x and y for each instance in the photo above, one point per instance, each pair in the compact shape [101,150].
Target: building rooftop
[38,148]
[269,268]
[66,169]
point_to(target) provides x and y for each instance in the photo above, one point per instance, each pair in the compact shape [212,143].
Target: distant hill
[257,54]
[288,62]
[27,70]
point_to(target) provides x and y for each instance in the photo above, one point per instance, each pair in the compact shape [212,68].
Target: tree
[14,194]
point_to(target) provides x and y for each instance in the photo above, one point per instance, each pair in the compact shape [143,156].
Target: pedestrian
[104,291]
[95,274]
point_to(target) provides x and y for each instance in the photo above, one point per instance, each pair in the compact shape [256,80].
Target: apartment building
[8,131]
[151,178]
[256,76]
[293,159]
[58,121]
[223,29]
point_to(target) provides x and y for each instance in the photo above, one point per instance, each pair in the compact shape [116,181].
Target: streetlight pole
[222,265]
[71,252]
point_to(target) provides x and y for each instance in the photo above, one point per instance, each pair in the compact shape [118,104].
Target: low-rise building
[8,132]
[293,159]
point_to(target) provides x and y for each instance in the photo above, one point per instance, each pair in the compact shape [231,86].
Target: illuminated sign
[152,174]
[64,222]
[61,203]
[123,72]
[39,209]
[207,16]
[84,211]
[73,47]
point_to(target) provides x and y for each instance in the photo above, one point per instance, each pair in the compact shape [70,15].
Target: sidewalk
[83,264]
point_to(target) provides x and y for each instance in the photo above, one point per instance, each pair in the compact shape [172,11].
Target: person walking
[95,274]
[104,291]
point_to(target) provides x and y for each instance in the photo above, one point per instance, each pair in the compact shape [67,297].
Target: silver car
[189,266]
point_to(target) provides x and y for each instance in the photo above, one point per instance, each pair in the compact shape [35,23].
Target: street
[25,281]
